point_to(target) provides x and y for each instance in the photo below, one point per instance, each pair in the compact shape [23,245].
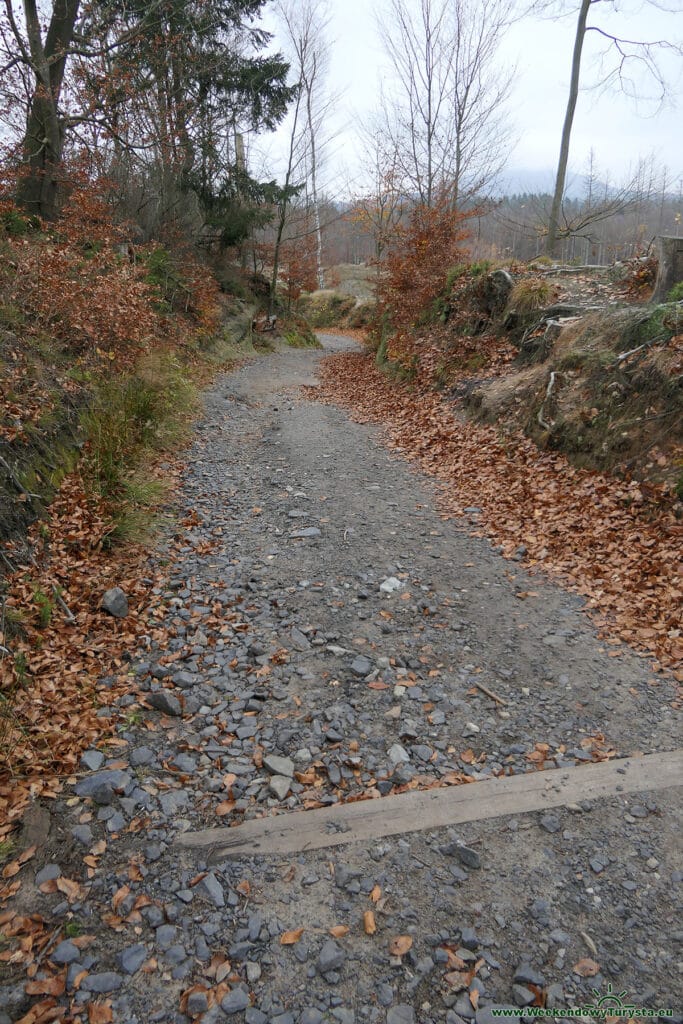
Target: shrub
[529,294]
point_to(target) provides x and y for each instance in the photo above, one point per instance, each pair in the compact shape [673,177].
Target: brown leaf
[376,894]
[11,869]
[586,968]
[458,980]
[369,924]
[55,985]
[119,896]
[100,1013]
[72,890]
[222,971]
[339,931]
[290,938]
[225,807]
[400,944]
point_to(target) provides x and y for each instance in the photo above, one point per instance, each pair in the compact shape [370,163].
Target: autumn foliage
[414,271]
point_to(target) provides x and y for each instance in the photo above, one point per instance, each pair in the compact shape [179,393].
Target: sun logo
[612,1000]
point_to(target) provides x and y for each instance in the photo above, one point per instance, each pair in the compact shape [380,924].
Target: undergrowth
[130,418]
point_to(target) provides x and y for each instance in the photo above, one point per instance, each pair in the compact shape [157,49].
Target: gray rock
[390,585]
[92,760]
[141,756]
[528,975]
[300,641]
[309,1015]
[551,823]
[308,532]
[398,754]
[197,1003]
[522,996]
[331,957]
[184,680]
[343,1015]
[401,1014]
[280,786]
[173,801]
[65,953]
[114,778]
[361,666]
[235,1002]
[132,958]
[279,765]
[467,856]
[115,602]
[165,702]
[107,981]
[165,936]
[212,888]
[82,834]
[254,1016]
[469,939]
[48,873]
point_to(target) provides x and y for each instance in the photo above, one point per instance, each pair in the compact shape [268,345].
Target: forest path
[326,635]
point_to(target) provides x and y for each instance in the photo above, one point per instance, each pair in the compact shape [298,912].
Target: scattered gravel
[321,634]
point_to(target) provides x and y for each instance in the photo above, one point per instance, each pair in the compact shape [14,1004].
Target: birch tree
[444,107]
[305,24]
[635,66]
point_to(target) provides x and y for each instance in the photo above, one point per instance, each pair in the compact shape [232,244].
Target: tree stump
[670,272]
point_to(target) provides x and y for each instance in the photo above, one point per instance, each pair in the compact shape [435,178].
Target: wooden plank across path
[422,810]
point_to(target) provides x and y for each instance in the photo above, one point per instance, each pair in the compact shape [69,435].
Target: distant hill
[535,181]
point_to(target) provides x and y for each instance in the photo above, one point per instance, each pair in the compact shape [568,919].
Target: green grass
[7,848]
[131,418]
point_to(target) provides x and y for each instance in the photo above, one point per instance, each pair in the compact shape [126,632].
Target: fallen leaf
[458,980]
[55,985]
[100,1013]
[369,925]
[400,944]
[586,968]
[339,931]
[376,893]
[290,938]
[119,896]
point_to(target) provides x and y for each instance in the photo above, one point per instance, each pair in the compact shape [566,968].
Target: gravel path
[324,633]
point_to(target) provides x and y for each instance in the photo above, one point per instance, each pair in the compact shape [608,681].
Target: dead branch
[659,338]
[548,396]
[490,693]
[15,480]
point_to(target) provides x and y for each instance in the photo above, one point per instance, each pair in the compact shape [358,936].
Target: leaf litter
[616,543]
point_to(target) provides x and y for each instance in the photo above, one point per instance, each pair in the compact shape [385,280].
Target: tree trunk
[554,222]
[309,83]
[44,138]
[670,272]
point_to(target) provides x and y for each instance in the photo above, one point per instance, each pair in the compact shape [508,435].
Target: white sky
[541,50]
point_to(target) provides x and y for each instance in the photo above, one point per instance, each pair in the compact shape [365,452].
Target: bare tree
[625,63]
[381,202]
[306,23]
[444,110]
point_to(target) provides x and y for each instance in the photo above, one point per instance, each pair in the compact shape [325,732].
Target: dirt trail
[325,634]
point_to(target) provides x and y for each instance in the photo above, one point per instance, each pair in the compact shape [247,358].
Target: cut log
[670,272]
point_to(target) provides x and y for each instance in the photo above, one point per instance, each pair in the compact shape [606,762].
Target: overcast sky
[541,50]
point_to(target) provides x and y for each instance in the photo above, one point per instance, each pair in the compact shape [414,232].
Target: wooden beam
[422,810]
